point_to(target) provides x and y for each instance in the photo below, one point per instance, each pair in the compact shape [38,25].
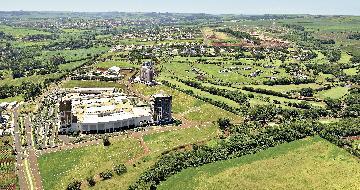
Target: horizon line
[161,12]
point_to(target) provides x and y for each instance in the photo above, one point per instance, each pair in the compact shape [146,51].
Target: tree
[224,123]
[106,174]
[120,169]
[263,113]
[91,181]
[75,185]
[307,92]
[106,141]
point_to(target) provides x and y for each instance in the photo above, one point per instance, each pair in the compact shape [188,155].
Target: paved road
[23,183]
[34,168]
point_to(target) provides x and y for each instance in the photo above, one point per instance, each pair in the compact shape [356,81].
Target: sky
[323,7]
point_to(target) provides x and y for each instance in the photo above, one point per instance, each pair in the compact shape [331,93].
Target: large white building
[100,110]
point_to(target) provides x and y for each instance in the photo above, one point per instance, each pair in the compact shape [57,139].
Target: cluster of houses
[5,118]
[101,74]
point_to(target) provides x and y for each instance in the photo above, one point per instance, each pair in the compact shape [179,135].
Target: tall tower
[161,108]
[147,72]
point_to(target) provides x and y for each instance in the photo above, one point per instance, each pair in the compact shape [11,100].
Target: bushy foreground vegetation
[303,164]
[246,139]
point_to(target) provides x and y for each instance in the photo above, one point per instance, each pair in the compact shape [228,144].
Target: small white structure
[114,70]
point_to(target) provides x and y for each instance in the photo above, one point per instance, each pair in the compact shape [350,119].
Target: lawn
[21,32]
[285,88]
[311,163]
[334,93]
[13,99]
[171,139]
[58,169]
[33,78]
[120,64]
[180,103]
[90,84]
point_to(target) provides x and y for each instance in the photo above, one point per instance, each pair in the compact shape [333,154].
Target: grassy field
[33,78]
[311,163]
[285,88]
[172,139]
[334,93]
[191,108]
[70,66]
[21,32]
[120,64]
[90,84]
[60,168]
[12,99]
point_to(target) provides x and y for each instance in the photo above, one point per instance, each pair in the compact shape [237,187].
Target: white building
[99,111]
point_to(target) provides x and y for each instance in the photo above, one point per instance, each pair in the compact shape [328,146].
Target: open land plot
[284,88]
[334,93]
[90,84]
[33,78]
[21,32]
[60,168]
[18,98]
[73,55]
[121,64]
[261,99]
[189,107]
[351,71]
[70,66]
[311,163]
[171,139]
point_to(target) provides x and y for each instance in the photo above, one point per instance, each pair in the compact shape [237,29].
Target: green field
[60,168]
[90,84]
[171,139]
[334,93]
[311,163]
[120,64]
[191,108]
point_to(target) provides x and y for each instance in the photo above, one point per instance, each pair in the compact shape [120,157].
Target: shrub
[106,174]
[120,169]
[106,141]
[91,181]
[75,185]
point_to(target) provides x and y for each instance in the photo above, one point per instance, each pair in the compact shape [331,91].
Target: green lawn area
[21,32]
[90,84]
[70,66]
[172,139]
[311,163]
[33,78]
[192,109]
[285,88]
[205,113]
[181,101]
[351,71]
[334,93]
[58,169]
[120,64]
[12,99]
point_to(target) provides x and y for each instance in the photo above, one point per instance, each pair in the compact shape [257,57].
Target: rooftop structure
[100,111]
[161,108]
[147,73]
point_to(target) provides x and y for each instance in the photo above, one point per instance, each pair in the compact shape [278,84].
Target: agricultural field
[311,163]
[90,84]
